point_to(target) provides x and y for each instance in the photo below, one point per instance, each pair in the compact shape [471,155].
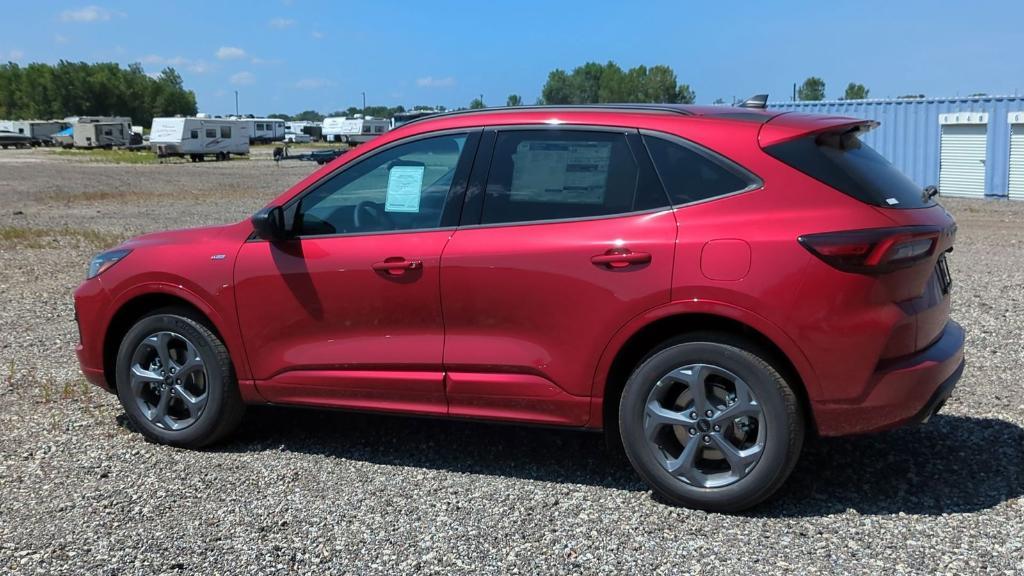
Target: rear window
[842,161]
[690,174]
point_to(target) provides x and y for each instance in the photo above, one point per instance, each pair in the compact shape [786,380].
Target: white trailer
[313,129]
[102,132]
[197,138]
[40,131]
[355,130]
[263,130]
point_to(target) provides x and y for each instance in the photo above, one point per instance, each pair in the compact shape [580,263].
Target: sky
[293,55]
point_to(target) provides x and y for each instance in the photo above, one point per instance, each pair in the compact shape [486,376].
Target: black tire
[783,421]
[224,407]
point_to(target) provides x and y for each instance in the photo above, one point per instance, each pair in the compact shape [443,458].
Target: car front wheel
[709,423]
[175,381]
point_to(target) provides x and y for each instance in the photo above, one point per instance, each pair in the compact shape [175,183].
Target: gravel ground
[310,492]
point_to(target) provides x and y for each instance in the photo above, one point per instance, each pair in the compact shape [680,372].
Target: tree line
[44,91]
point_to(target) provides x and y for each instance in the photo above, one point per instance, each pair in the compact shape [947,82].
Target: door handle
[397,265]
[621,258]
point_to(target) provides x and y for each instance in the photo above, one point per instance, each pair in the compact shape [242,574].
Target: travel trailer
[197,138]
[263,130]
[39,132]
[313,129]
[102,131]
[355,130]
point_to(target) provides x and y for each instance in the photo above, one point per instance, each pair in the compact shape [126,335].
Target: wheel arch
[631,345]
[138,306]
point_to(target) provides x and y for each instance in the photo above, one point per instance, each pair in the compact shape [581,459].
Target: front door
[348,313]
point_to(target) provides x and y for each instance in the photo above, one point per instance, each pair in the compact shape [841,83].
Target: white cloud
[282,22]
[87,14]
[313,83]
[198,67]
[230,53]
[317,35]
[260,61]
[194,66]
[242,78]
[431,82]
[60,39]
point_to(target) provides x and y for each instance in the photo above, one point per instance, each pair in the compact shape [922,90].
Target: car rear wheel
[709,423]
[175,381]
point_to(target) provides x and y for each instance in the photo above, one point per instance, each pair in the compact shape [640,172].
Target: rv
[405,117]
[263,130]
[198,138]
[102,132]
[39,132]
[355,130]
[313,129]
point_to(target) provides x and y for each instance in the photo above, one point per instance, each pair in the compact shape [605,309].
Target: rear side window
[225,131]
[842,161]
[559,174]
[690,174]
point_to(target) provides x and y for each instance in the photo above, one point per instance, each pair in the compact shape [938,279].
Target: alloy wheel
[169,380]
[704,425]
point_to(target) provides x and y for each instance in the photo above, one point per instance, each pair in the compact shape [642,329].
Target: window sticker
[405,185]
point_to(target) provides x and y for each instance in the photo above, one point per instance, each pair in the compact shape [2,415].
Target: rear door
[566,236]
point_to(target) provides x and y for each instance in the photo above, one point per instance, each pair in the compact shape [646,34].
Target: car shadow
[952,464]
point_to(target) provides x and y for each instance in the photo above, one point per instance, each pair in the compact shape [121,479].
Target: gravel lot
[309,492]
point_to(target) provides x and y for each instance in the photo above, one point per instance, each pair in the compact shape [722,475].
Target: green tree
[477,103]
[855,92]
[514,100]
[103,89]
[558,89]
[813,89]
[596,83]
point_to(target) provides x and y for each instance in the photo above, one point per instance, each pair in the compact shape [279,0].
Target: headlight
[105,260]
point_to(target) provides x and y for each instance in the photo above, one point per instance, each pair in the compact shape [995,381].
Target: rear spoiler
[792,125]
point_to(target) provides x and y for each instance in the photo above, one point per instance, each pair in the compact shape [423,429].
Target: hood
[196,236]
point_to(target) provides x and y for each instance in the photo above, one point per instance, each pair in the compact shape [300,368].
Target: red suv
[706,284]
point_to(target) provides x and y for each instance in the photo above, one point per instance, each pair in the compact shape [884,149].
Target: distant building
[971,147]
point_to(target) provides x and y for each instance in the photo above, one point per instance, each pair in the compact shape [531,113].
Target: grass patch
[46,389]
[24,237]
[112,156]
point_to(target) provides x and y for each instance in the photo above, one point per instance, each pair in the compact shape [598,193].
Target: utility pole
[794,91]
[236,102]
[364,103]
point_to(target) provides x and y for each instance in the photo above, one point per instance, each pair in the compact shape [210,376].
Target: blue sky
[292,55]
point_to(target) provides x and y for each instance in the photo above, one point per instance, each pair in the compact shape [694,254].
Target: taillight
[873,251]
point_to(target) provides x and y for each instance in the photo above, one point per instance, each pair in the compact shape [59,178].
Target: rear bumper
[902,392]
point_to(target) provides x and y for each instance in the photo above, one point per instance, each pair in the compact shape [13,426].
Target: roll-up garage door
[962,150]
[1016,120]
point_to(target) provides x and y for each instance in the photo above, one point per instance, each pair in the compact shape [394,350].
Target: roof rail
[657,108]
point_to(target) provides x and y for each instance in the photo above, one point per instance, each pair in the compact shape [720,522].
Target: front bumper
[91,305]
[901,392]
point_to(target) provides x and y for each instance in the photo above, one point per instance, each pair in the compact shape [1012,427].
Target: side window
[211,132]
[557,174]
[690,175]
[195,134]
[225,131]
[401,188]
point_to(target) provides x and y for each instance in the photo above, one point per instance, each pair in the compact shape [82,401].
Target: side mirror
[269,224]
